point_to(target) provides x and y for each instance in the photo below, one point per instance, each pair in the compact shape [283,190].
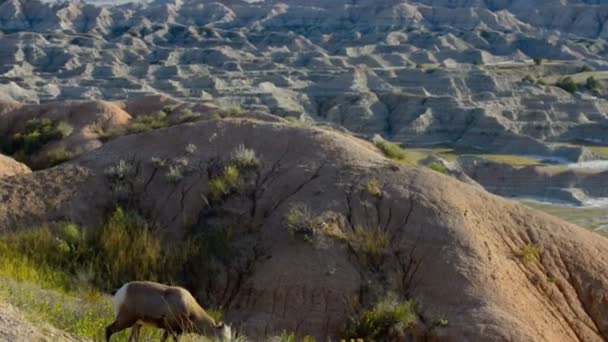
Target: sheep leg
[134,337]
[165,336]
[176,337]
[118,325]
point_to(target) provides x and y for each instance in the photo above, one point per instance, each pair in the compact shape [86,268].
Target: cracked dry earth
[15,327]
[453,247]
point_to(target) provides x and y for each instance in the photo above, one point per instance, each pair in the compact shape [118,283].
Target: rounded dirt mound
[11,167]
[322,227]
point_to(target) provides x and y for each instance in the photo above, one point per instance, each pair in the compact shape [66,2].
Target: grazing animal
[171,308]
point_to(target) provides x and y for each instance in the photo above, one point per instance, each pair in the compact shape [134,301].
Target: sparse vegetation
[438,167]
[529,253]
[592,83]
[146,122]
[528,79]
[36,134]
[568,84]
[244,157]
[229,112]
[371,243]
[188,116]
[174,174]
[58,156]
[221,186]
[390,149]
[389,316]
[373,188]
[289,336]
[301,221]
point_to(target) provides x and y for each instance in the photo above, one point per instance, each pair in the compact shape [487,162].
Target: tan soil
[462,241]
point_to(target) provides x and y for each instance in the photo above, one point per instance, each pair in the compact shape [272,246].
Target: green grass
[391,149]
[529,253]
[37,133]
[591,218]
[389,314]
[222,185]
[58,156]
[372,244]
[438,167]
[374,189]
[147,122]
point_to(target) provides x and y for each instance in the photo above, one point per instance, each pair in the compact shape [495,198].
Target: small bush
[245,157]
[228,113]
[144,123]
[389,316]
[528,79]
[390,149]
[37,133]
[301,221]
[371,243]
[190,149]
[188,116]
[373,188]
[127,250]
[439,167]
[174,174]
[120,171]
[221,186]
[538,61]
[58,156]
[567,84]
[592,83]
[290,336]
[529,253]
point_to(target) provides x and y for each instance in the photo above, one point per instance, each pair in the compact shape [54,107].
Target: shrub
[58,156]
[373,188]
[37,133]
[144,123]
[190,149]
[538,61]
[592,83]
[371,243]
[227,113]
[188,116]
[290,336]
[389,316]
[528,79]
[174,174]
[119,171]
[439,167]
[529,253]
[567,84]
[127,249]
[221,186]
[390,149]
[302,221]
[245,157]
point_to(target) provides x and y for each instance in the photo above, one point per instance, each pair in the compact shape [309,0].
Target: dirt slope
[453,247]
[16,328]
[11,167]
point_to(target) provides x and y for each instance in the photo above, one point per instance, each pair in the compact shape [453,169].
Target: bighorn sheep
[170,308]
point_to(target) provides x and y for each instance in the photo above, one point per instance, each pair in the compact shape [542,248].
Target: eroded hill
[306,228]
[481,74]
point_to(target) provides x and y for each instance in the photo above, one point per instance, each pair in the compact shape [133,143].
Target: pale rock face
[401,69]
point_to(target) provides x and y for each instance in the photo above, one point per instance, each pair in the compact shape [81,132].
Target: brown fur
[171,308]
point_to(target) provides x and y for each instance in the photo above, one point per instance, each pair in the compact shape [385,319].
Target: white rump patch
[119,298]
